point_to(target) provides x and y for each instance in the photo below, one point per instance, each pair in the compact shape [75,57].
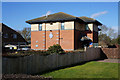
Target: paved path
[110,60]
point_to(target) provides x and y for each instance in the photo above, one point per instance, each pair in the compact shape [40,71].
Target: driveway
[110,60]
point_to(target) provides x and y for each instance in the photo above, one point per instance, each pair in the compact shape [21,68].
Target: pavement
[110,60]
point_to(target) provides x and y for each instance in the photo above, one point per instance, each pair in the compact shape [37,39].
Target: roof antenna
[47,13]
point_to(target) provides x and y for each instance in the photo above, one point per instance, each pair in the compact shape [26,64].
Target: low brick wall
[37,63]
[112,53]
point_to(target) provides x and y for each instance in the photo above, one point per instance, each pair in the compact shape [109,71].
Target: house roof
[90,20]
[9,31]
[3,26]
[60,16]
[53,17]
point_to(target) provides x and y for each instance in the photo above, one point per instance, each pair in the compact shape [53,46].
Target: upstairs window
[40,27]
[15,36]
[86,27]
[6,35]
[62,26]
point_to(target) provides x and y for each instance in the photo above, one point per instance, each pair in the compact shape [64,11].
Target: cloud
[115,28]
[48,13]
[116,31]
[98,14]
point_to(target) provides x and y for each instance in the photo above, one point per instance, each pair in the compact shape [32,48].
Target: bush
[56,48]
[52,49]
[23,53]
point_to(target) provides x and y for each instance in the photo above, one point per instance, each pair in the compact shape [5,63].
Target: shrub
[52,49]
[23,53]
[56,48]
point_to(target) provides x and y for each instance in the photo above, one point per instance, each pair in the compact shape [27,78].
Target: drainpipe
[45,36]
[59,34]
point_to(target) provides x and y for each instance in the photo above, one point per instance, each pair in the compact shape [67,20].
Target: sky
[14,14]
[60,0]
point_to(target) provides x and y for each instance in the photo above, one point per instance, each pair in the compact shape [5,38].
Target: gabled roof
[60,16]
[9,31]
[2,26]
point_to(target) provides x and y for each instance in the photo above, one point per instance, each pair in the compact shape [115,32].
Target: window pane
[36,45]
[5,35]
[40,27]
[87,28]
[14,36]
[62,26]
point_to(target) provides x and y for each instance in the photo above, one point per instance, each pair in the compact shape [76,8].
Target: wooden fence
[36,63]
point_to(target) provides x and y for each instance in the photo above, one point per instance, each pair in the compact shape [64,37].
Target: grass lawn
[88,70]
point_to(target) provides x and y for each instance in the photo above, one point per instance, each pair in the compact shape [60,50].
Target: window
[5,35]
[86,27]
[14,36]
[40,27]
[36,45]
[62,26]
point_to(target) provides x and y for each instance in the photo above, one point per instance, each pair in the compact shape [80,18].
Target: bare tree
[26,33]
[104,29]
[112,33]
[107,35]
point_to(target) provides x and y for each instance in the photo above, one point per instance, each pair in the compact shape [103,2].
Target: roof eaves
[46,21]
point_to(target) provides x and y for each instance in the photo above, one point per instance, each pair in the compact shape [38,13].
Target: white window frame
[62,25]
[40,27]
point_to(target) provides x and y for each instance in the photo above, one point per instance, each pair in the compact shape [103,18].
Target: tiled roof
[10,32]
[60,17]
[89,20]
[53,17]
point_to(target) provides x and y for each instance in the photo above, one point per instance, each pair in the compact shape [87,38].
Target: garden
[89,70]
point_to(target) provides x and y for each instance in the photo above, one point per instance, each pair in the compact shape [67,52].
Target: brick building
[64,29]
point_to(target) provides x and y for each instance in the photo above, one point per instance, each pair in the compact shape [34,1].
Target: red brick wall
[37,36]
[66,39]
[113,53]
[52,41]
